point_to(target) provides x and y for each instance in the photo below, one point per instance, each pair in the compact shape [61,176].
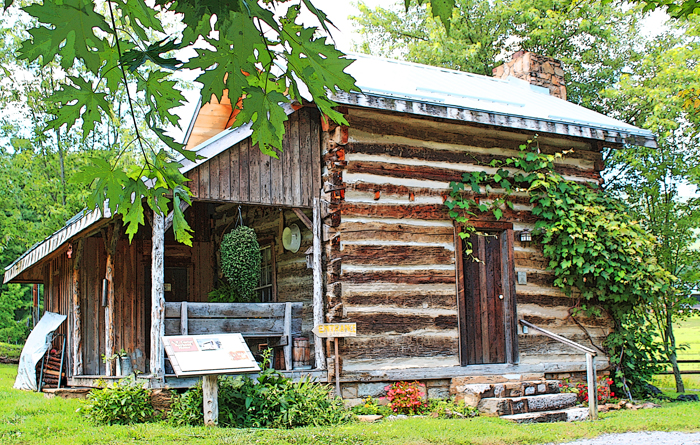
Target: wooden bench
[279,321]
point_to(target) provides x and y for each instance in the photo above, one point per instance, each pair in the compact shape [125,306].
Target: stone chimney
[537,70]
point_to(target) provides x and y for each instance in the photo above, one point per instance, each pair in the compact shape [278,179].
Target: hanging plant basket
[240,264]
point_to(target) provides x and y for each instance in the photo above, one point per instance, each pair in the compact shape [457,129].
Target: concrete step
[473,393]
[503,406]
[563,415]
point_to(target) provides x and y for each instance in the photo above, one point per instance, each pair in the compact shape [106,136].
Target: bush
[187,408]
[605,393]
[269,401]
[448,409]
[371,407]
[406,398]
[125,402]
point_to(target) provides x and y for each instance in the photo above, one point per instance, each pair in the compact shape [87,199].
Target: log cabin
[378,247]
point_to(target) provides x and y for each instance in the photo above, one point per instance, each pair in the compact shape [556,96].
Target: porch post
[157,296]
[77,340]
[319,355]
[111,240]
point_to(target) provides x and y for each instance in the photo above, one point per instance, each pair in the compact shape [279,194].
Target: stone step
[563,415]
[495,406]
[472,393]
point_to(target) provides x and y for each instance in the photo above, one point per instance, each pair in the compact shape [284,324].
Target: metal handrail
[559,338]
[590,365]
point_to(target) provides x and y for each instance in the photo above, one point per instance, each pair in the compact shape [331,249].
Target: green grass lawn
[30,418]
[687,333]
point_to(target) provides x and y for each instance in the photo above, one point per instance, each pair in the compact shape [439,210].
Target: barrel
[302,353]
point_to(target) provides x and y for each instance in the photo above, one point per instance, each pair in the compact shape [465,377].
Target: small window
[266,286]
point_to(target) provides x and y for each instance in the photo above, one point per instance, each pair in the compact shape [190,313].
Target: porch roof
[80,222]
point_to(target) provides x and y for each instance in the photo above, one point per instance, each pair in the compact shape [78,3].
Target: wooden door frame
[508,286]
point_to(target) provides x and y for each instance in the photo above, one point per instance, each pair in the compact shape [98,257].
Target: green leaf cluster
[245,49]
[123,403]
[240,263]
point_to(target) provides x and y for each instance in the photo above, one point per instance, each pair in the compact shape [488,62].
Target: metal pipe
[559,338]
[592,386]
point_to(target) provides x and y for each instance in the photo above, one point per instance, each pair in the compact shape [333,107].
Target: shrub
[125,402]
[187,408]
[405,397]
[240,262]
[371,407]
[603,387]
[269,401]
[447,409]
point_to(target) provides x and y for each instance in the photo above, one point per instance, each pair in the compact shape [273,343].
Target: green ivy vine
[240,264]
[597,252]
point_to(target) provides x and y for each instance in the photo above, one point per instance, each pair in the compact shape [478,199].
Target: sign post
[336,331]
[209,356]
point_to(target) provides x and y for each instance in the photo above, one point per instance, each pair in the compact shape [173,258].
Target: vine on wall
[596,250]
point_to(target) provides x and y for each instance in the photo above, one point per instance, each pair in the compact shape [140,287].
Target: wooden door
[486,299]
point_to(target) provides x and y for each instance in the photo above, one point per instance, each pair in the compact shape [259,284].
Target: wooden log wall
[391,254]
[243,174]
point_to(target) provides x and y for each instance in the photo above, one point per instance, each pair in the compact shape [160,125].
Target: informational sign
[335,330]
[209,354]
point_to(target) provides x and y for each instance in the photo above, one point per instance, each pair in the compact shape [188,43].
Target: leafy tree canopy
[258,52]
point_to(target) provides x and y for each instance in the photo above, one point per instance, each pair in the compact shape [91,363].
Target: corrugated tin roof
[81,221]
[420,89]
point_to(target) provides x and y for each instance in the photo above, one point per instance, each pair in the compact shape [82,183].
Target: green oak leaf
[141,16]
[134,58]
[78,101]
[233,56]
[161,95]
[70,33]
[263,109]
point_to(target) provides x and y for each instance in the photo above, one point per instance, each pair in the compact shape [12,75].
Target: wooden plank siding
[243,174]
[391,248]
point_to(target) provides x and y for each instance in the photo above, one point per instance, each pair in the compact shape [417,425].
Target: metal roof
[439,92]
[81,221]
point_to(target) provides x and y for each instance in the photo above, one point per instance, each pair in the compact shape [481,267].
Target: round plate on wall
[291,238]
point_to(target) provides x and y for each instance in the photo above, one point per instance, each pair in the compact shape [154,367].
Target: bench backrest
[250,319]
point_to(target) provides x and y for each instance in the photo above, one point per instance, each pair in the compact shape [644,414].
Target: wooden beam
[210,393]
[288,365]
[319,355]
[304,219]
[157,297]
[77,335]
[183,318]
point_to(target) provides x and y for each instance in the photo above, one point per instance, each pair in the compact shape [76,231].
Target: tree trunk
[63,166]
[672,353]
